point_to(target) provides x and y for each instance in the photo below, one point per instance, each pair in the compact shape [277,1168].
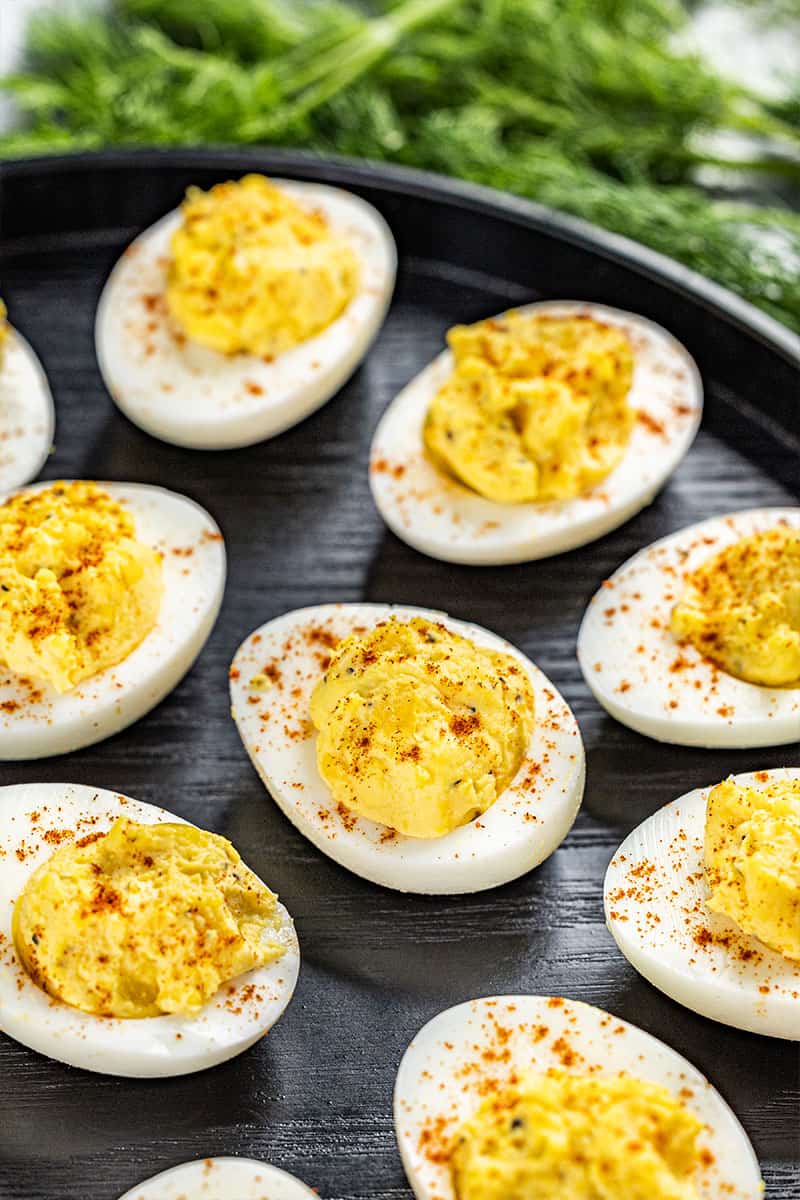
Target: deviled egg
[108,593]
[222,1179]
[703,898]
[131,942]
[27,417]
[696,639]
[241,313]
[423,753]
[508,1097]
[539,430]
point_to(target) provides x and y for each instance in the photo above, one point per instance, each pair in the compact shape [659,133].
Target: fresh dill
[583,105]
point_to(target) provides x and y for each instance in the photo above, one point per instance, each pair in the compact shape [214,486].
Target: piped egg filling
[78,592]
[584,1137]
[419,728]
[4,327]
[143,920]
[536,407]
[752,860]
[252,271]
[741,608]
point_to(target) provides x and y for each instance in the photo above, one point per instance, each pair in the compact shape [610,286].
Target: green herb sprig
[583,105]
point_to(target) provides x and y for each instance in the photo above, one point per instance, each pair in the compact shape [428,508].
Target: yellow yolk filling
[145,920]
[741,608]
[78,592]
[4,330]
[420,729]
[253,271]
[565,1136]
[752,858]
[536,407]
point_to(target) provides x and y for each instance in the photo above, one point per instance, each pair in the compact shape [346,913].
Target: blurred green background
[675,126]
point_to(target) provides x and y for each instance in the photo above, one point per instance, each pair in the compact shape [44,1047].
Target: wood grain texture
[315,1096]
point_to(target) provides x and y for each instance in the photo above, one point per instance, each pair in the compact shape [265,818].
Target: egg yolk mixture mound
[254,272]
[536,407]
[144,920]
[741,609]
[4,330]
[78,592]
[419,728]
[752,858]
[572,1137]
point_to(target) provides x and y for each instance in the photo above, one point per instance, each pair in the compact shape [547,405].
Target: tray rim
[410,181]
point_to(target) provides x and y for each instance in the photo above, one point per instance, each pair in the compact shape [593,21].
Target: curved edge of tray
[427,185]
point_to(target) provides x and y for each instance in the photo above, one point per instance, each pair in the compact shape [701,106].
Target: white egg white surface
[35,721]
[222,1179]
[34,820]
[27,416]
[524,825]
[471,1050]
[647,680]
[654,896]
[446,520]
[191,395]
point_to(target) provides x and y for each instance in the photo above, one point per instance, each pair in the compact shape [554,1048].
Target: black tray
[315,1096]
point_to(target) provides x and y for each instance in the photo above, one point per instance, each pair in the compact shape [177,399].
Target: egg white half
[222,1179]
[644,678]
[470,1050]
[190,395]
[446,520]
[654,896]
[524,825]
[34,819]
[27,416]
[36,722]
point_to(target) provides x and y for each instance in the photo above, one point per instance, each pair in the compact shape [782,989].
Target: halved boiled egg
[656,893]
[676,690]
[432,510]
[245,342]
[422,722]
[27,417]
[222,1179]
[40,820]
[42,712]
[490,1047]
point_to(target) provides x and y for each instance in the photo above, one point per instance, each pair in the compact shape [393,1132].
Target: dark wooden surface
[315,1096]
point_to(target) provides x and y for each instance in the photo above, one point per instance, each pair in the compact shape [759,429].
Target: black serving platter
[315,1096]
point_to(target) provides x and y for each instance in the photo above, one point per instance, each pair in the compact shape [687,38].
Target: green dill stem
[786,167]
[521,105]
[758,120]
[328,74]
[182,57]
[356,54]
